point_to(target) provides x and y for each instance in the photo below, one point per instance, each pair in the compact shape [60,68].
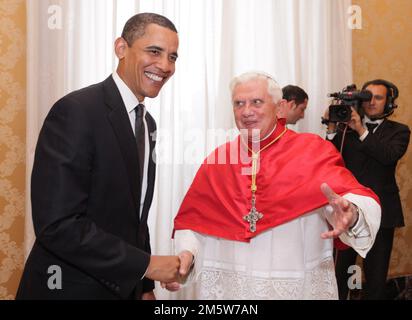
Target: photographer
[371,147]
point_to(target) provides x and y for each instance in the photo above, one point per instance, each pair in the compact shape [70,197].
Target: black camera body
[349,97]
[341,112]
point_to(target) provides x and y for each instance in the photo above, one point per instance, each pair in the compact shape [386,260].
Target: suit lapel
[379,131]
[120,123]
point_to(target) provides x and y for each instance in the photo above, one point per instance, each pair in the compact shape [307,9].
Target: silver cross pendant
[253,217]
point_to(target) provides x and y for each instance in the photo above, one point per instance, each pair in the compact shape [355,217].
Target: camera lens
[342,113]
[339,113]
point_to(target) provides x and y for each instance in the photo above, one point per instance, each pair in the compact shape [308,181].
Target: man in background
[296,103]
[372,148]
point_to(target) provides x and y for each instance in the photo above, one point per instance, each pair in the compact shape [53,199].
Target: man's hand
[163,268]
[148,296]
[355,122]
[186,261]
[344,213]
[326,114]
[172,286]
[331,125]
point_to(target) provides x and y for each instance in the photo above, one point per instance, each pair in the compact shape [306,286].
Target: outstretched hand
[344,213]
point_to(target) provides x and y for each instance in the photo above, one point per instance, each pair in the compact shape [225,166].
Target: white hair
[273,87]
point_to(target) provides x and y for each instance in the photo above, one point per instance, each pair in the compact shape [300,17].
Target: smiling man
[258,225]
[93,179]
[147,58]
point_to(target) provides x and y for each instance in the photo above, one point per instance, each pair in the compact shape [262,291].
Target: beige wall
[383,49]
[12,143]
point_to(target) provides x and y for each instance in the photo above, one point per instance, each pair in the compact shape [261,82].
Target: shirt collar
[129,99]
[266,137]
[367,120]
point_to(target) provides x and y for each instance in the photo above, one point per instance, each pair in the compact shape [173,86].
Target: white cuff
[361,228]
[186,240]
[365,134]
[330,136]
[367,226]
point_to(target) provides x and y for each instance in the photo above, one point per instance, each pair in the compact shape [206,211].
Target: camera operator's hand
[331,125]
[355,123]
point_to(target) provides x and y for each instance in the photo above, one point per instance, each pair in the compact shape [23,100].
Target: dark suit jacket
[373,162]
[85,201]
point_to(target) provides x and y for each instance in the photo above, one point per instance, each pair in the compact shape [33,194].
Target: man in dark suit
[371,149]
[93,180]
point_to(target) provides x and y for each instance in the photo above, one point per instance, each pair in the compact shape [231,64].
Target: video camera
[340,110]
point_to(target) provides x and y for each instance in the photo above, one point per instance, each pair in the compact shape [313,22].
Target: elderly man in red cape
[260,216]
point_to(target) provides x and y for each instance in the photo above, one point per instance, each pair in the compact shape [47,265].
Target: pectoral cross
[253,216]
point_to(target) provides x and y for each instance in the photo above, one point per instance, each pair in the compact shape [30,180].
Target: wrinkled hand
[148,296]
[163,268]
[186,260]
[344,213]
[172,286]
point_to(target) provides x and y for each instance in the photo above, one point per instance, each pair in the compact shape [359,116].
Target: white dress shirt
[365,120]
[131,102]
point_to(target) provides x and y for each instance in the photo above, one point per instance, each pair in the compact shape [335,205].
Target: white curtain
[307,43]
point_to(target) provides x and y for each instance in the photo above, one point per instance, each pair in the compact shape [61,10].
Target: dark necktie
[140,138]
[371,126]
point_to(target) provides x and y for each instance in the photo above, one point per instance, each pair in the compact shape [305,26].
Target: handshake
[170,270]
